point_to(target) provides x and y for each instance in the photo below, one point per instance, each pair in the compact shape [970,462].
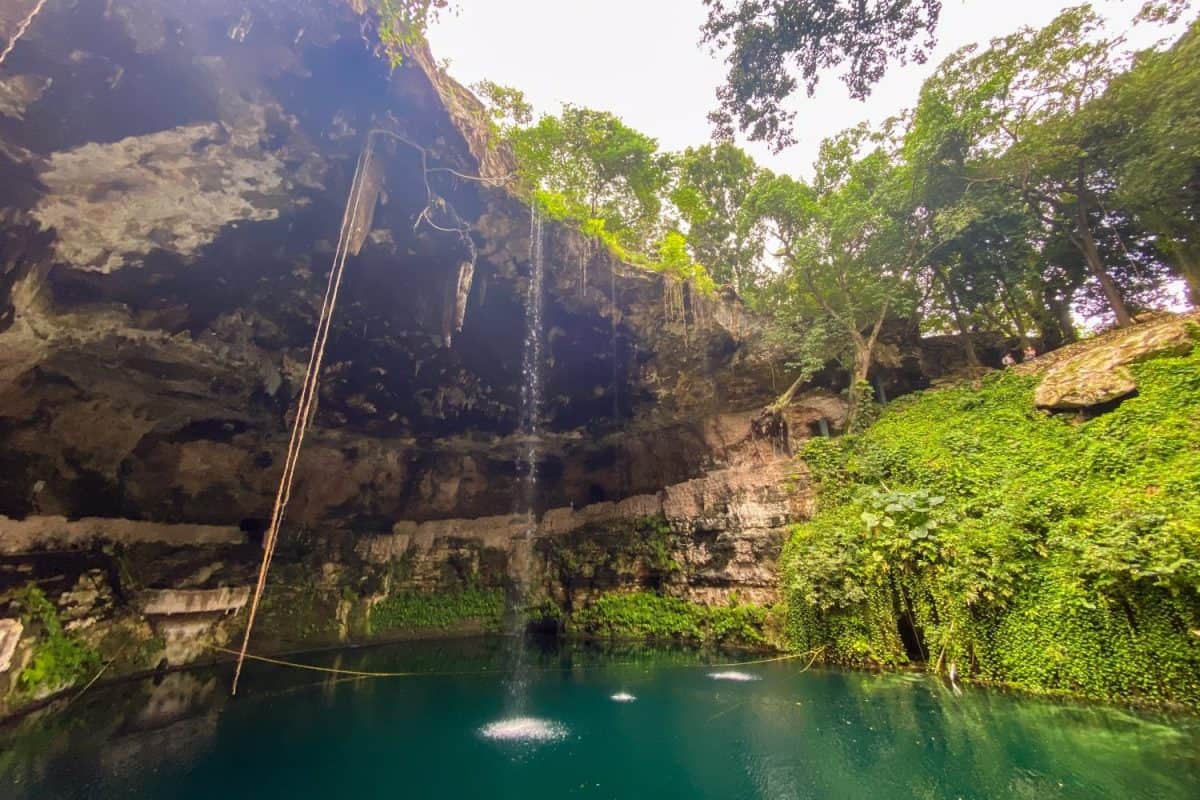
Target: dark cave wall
[175,177]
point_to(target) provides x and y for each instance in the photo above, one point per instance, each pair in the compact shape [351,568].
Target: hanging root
[306,408]
[771,423]
[307,403]
[24,26]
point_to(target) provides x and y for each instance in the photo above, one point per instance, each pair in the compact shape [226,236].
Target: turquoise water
[784,733]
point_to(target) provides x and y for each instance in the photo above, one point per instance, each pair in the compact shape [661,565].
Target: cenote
[370,428]
[614,721]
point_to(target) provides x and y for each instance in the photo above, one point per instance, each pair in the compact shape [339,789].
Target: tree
[851,255]
[589,166]
[507,107]
[713,185]
[987,274]
[1149,121]
[1022,104]
[767,39]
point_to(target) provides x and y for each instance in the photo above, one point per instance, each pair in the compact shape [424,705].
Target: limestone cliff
[174,179]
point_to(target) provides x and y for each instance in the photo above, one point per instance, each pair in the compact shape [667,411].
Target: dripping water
[612,317]
[529,436]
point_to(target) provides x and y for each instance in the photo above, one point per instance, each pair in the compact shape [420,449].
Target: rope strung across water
[24,26]
[365,674]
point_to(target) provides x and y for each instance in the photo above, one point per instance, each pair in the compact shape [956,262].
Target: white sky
[642,60]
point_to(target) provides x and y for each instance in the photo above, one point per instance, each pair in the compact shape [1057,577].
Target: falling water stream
[612,327]
[517,724]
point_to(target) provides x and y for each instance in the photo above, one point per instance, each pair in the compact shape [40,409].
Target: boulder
[1099,372]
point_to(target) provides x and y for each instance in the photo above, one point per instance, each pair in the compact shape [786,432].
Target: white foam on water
[623,697]
[524,729]
[741,677]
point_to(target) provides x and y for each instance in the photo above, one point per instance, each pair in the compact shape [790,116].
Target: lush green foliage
[1148,126]
[412,610]
[766,39]
[1046,176]
[640,547]
[644,615]
[1034,550]
[60,659]
[591,166]
[851,256]
[713,190]
[589,169]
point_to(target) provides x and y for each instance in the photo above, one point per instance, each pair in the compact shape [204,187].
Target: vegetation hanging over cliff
[968,530]
[1045,178]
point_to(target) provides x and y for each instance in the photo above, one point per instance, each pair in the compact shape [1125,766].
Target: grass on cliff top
[1047,552]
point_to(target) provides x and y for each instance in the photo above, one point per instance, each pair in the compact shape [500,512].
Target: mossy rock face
[1100,373]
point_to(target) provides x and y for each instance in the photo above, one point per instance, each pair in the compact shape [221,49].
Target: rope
[308,393]
[307,396]
[363,674]
[24,26]
[315,668]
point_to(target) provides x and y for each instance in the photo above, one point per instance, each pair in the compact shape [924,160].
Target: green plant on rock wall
[655,543]
[59,659]
[1056,555]
[624,547]
[645,615]
[413,610]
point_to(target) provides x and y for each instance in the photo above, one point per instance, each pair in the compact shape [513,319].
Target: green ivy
[59,660]
[1051,553]
[412,610]
[644,615]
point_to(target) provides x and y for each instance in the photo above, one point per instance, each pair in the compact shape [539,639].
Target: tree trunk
[1009,301]
[1091,254]
[956,311]
[1054,319]
[858,379]
[1188,262]
[1066,323]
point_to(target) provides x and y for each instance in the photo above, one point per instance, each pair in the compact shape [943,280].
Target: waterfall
[612,318]
[529,437]
[531,371]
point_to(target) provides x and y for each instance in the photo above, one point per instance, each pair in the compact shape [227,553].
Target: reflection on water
[785,734]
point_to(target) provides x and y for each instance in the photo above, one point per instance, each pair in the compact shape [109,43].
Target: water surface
[627,722]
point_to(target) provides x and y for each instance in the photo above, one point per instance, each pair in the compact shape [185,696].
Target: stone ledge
[59,533]
[744,498]
[165,602]
[1096,371]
